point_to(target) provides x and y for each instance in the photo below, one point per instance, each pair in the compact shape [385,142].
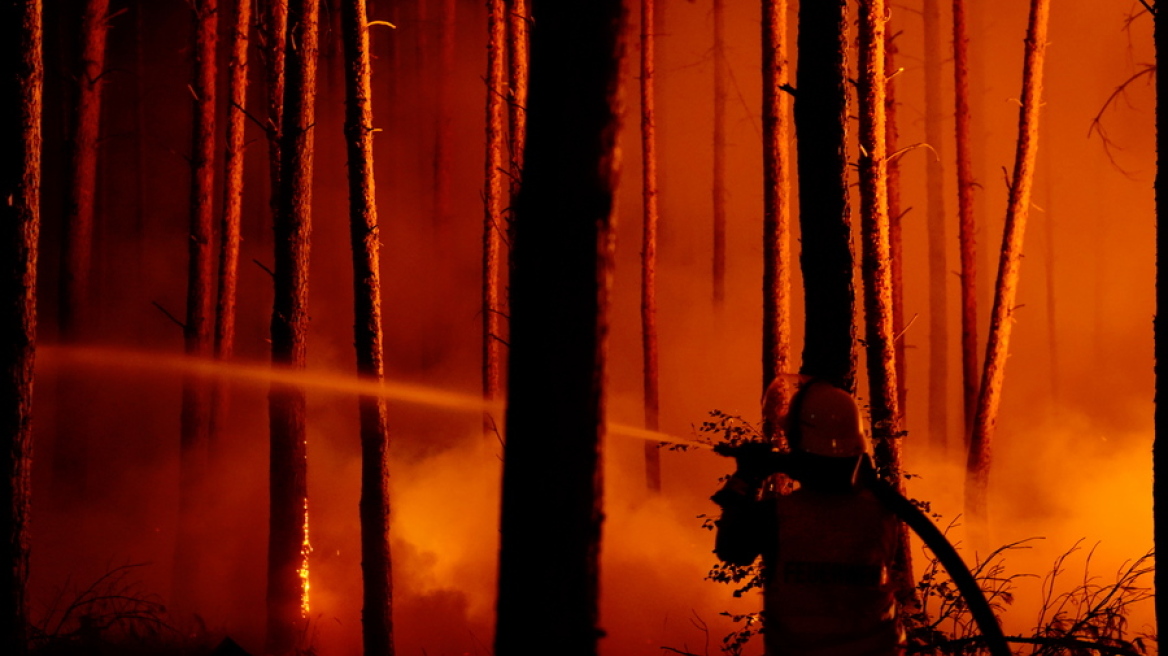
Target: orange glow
[305,549]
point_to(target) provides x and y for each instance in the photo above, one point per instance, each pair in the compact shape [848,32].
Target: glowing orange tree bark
[935,219]
[895,214]
[493,223]
[719,187]
[649,213]
[966,223]
[288,489]
[1160,442]
[1002,317]
[776,170]
[517,28]
[559,322]
[229,236]
[821,127]
[376,615]
[274,33]
[20,149]
[197,330]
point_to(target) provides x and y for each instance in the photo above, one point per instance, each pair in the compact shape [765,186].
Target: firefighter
[827,544]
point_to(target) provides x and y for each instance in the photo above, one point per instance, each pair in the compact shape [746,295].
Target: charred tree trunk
[649,213]
[895,214]
[274,33]
[518,20]
[935,227]
[229,237]
[826,259]
[493,225]
[20,146]
[82,172]
[288,548]
[377,614]
[559,325]
[776,171]
[1160,441]
[966,222]
[1002,317]
[197,331]
[876,267]
[719,190]
[443,128]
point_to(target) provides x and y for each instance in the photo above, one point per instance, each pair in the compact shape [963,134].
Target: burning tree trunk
[649,249]
[1160,442]
[82,172]
[517,26]
[443,137]
[493,224]
[232,204]
[1001,320]
[558,328]
[197,331]
[967,225]
[719,198]
[20,146]
[776,158]
[895,214]
[876,268]
[377,616]
[826,258]
[935,227]
[288,546]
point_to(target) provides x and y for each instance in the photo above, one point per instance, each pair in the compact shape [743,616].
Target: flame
[305,549]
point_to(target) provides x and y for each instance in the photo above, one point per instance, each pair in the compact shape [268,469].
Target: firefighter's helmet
[829,422]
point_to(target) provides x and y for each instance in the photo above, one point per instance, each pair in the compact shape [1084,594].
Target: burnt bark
[559,325]
[376,569]
[935,218]
[287,595]
[197,329]
[649,214]
[967,226]
[776,170]
[827,258]
[493,225]
[1001,318]
[21,61]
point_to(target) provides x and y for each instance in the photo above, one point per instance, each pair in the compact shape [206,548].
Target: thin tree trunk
[649,212]
[1002,318]
[719,187]
[518,20]
[377,580]
[443,121]
[1160,323]
[275,36]
[20,147]
[776,167]
[493,224]
[197,331]
[876,268]
[82,173]
[967,224]
[935,227]
[826,258]
[229,237]
[559,322]
[288,547]
[895,240]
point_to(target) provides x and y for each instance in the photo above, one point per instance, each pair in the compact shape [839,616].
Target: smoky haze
[1072,451]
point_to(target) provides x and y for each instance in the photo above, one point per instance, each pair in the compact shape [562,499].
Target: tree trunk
[288,546]
[1160,441]
[649,213]
[876,268]
[967,224]
[895,241]
[776,171]
[559,325]
[377,615]
[82,172]
[1002,317]
[493,225]
[197,331]
[935,226]
[20,147]
[826,259]
[518,20]
[274,33]
[719,187]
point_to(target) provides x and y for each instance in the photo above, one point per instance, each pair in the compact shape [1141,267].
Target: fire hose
[919,522]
